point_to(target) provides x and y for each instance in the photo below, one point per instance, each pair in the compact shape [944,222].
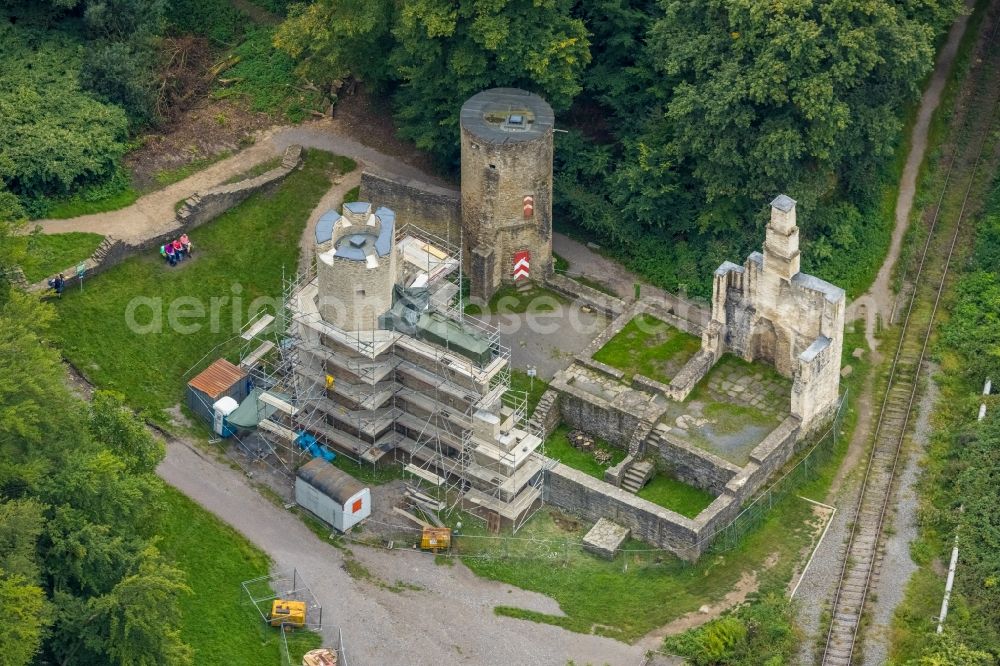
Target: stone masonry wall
[593,499]
[691,464]
[196,211]
[434,209]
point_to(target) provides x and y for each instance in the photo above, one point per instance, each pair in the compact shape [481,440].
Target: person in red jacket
[186,242]
[178,249]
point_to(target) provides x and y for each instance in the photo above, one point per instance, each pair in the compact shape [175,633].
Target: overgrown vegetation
[684,118]
[149,366]
[958,488]
[650,347]
[558,447]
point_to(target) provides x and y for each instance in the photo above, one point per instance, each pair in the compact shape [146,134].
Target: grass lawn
[670,493]
[650,347]
[239,258]
[50,253]
[216,559]
[508,300]
[256,170]
[608,598]
[352,194]
[521,383]
[557,446]
[644,589]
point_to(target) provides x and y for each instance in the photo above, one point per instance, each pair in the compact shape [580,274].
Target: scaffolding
[367,394]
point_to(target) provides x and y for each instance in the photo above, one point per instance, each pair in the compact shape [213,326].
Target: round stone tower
[356,265]
[506,186]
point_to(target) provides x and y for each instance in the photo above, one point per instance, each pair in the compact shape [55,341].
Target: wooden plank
[410,516]
[277,429]
[278,404]
[254,357]
[257,327]
[424,474]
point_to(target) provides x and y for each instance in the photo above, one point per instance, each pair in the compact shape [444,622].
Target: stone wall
[434,209]
[208,205]
[607,305]
[547,414]
[593,499]
[689,463]
[197,210]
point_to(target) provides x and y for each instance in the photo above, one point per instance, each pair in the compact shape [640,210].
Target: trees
[78,507]
[440,53]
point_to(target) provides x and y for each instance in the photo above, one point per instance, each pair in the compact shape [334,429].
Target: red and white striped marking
[522,265]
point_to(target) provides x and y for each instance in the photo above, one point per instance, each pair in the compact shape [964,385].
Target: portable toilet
[332,495]
[222,408]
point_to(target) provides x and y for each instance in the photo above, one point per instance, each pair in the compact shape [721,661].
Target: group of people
[176,250]
[57,284]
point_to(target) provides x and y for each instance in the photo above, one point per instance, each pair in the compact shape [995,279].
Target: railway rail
[861,558]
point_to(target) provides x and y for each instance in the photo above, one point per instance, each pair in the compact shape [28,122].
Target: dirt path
[878,300]
[154,213]
[450,620]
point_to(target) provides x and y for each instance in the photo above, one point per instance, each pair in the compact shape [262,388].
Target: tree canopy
[79,568]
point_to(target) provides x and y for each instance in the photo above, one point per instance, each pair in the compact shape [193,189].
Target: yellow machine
[435,538]
[288,613]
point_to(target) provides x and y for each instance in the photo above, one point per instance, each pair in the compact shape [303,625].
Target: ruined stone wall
[208,205]
[593,499]
[434,209]
[689,463]
[599,418]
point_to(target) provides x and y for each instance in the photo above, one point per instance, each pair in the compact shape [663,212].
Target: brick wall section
[434,209]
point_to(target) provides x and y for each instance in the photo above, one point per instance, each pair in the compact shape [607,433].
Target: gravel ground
[896,566]
[449,621]
[818,584]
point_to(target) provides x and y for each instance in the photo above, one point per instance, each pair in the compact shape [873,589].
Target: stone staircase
[637,475]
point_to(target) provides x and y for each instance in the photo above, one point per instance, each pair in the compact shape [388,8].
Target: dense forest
[684,119]
[81,578]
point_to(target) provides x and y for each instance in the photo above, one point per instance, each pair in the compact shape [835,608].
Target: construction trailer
[381,364]
[332,495]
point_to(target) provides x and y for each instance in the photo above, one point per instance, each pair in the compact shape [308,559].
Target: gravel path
[880,296]
[153,213]
[449,621]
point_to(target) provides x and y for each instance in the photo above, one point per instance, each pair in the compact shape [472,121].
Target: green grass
[559,263]
[83,204]
[730,419]
[266,78]
[216,559]
[352,194]
[366,473]
[645,589]
[49,254]
[668,492]
[226,274]
[508,300]
[177,174]
[596,285]
[645,346]
[256,170]
[557,446]
[521,383]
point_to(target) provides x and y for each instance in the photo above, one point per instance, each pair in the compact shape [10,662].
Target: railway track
[918,309]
